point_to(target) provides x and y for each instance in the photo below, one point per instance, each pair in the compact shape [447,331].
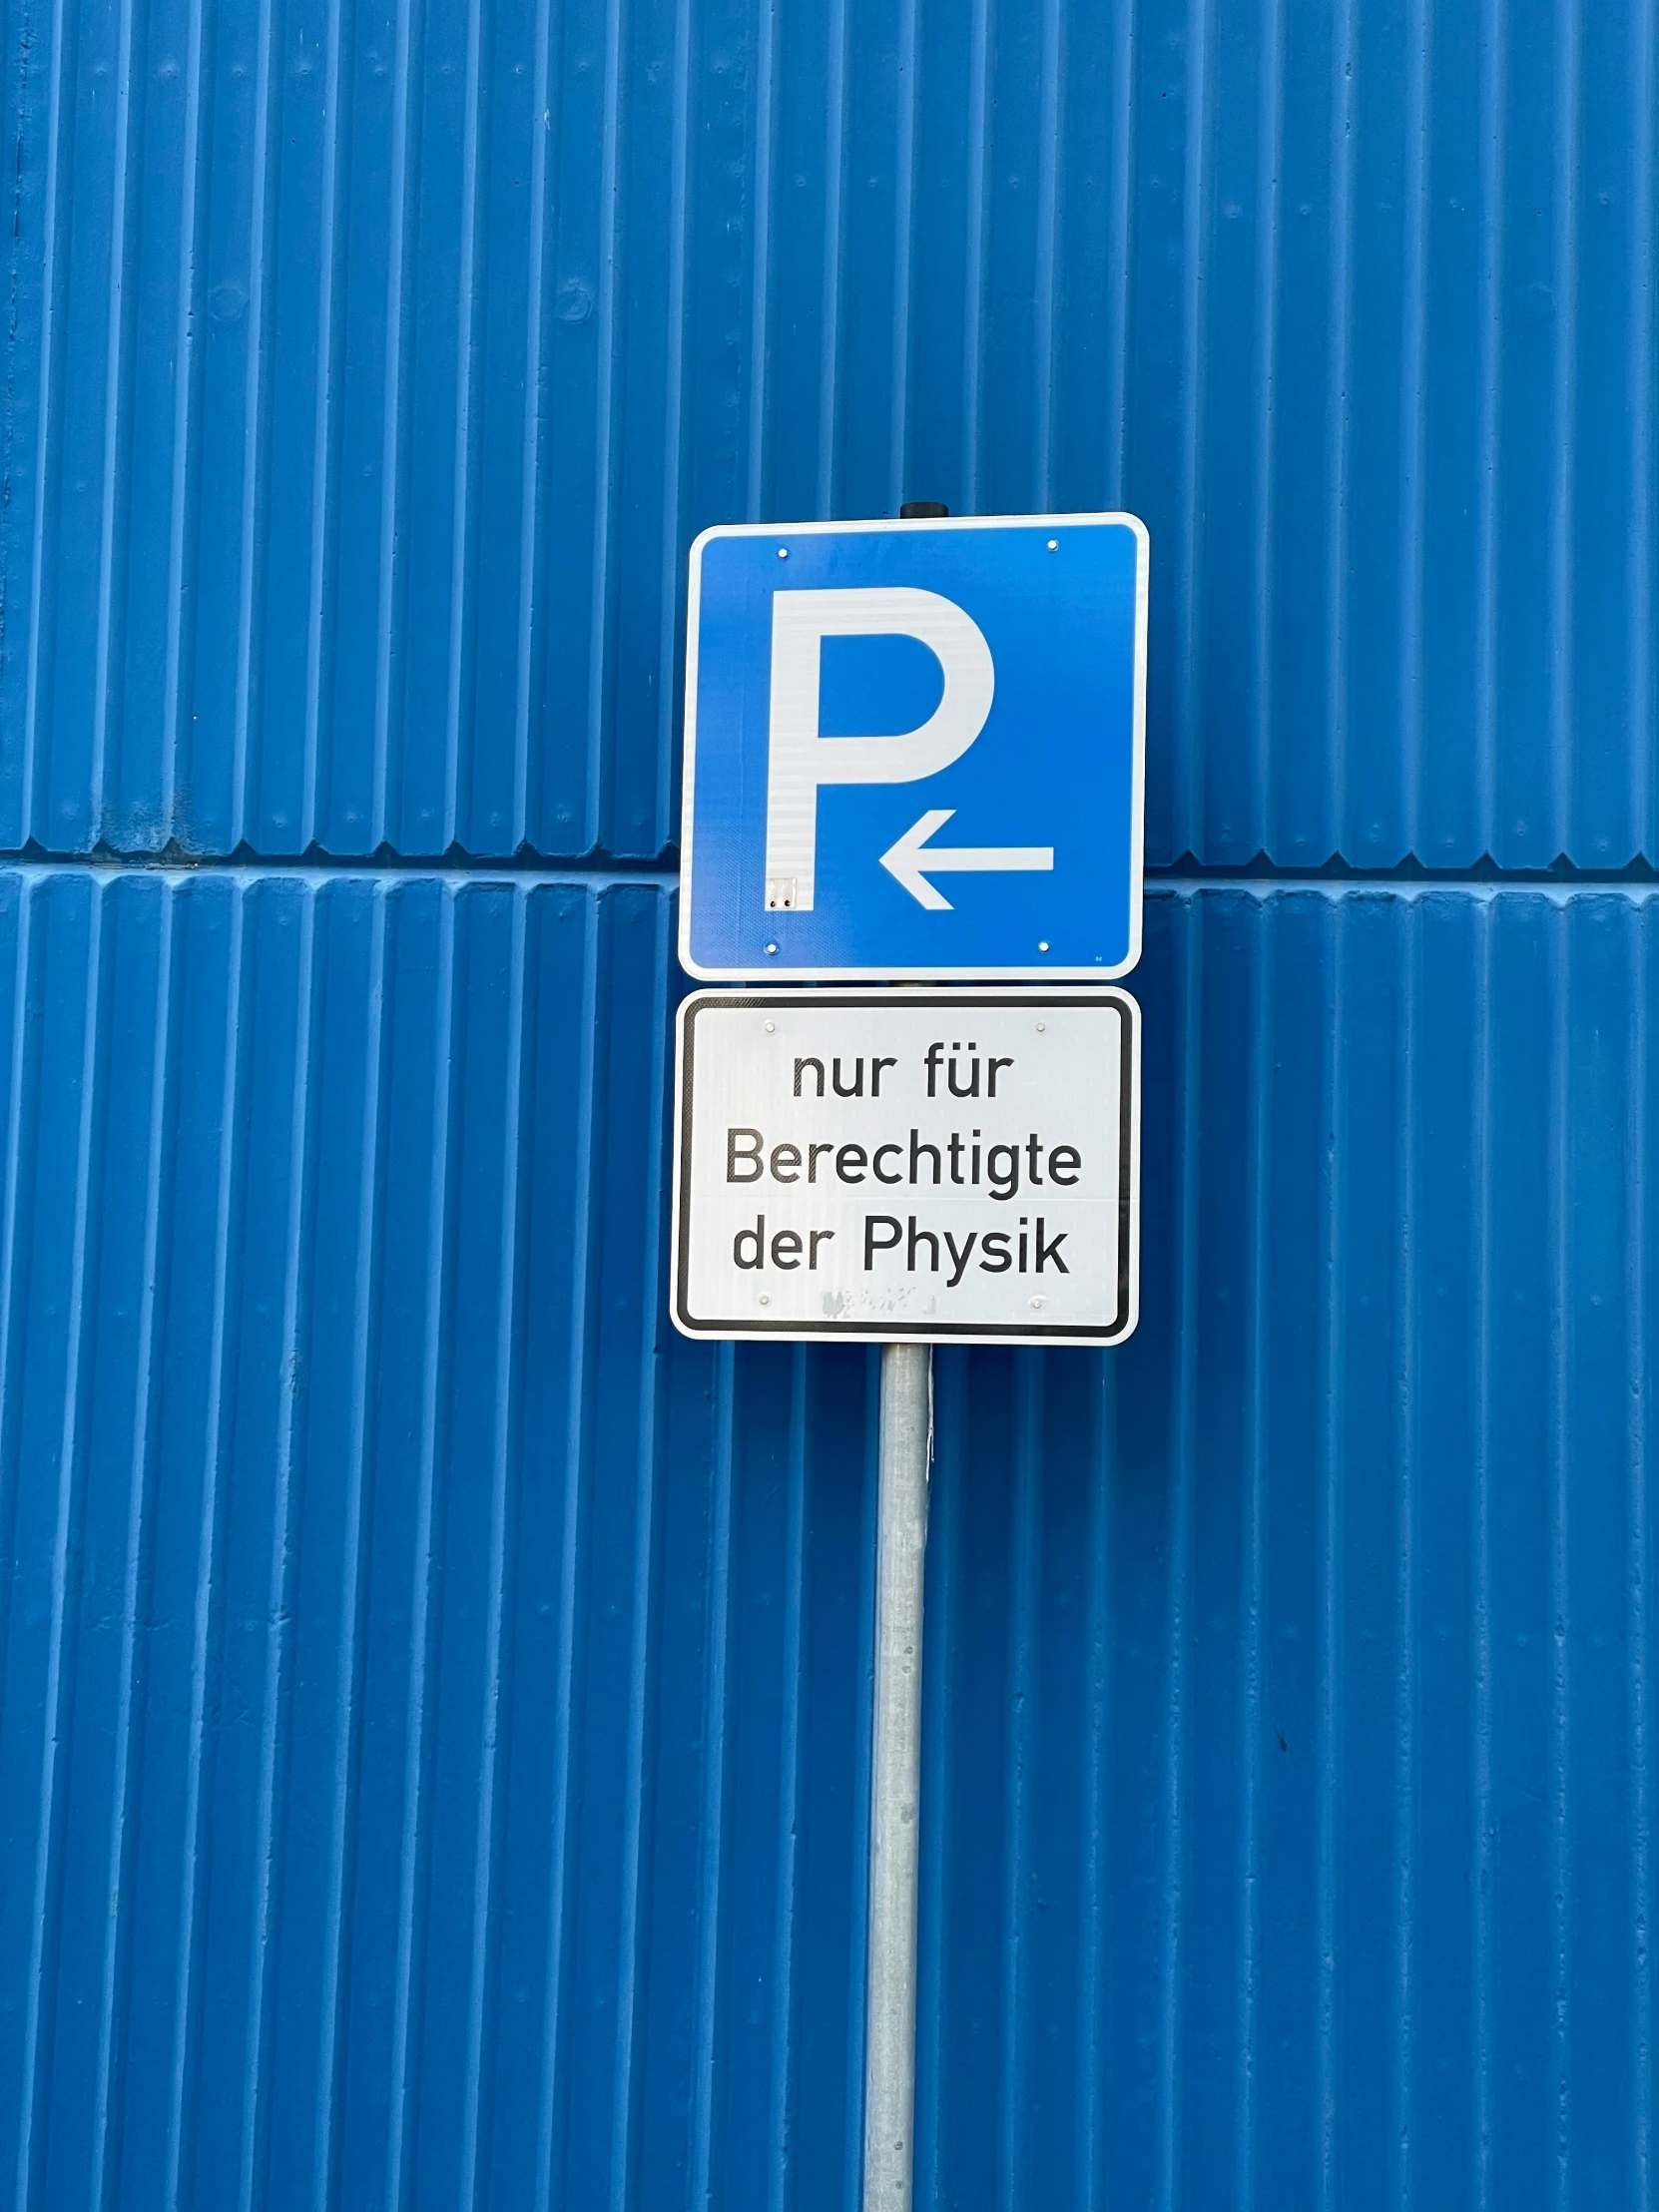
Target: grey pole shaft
[896,1777]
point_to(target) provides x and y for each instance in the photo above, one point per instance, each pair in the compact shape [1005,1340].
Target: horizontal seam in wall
[172,860]
[243,867]
[1414,886]
[609,875]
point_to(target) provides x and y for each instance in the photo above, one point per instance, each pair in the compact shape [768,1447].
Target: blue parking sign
[915,749]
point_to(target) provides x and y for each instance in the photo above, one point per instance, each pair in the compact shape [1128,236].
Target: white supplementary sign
[942,1164]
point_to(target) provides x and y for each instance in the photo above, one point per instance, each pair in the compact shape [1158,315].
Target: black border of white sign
[891,1328]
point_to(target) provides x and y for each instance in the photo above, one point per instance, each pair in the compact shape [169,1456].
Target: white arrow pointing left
[911,860]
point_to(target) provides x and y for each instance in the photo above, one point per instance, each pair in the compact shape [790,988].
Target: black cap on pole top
[921,510]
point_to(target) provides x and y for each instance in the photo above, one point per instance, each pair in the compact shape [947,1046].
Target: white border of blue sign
[1024,972]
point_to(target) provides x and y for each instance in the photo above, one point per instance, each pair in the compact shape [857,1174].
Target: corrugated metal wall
[433,1705]
[371,369]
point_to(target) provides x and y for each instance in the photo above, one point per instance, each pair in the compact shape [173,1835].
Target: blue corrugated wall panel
[436,1695]
[369,370]
[433,1696]
[1289,1789]
[431,1691]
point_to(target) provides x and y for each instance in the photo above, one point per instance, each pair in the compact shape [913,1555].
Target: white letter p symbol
[800,760]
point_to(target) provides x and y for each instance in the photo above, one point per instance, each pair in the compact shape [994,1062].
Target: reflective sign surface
[915,749]
[907,1163]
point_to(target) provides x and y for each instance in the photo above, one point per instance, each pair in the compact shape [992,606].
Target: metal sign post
[895,1776]
[913,755]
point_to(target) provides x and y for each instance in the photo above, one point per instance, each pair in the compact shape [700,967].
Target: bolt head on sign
[915,749]
[944,1165]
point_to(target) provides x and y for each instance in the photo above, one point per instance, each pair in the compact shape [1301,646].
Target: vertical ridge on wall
[1560,1687]
[1642,622]
[183,2078]
[780,2084]
[714,1802]
[1489,180]
[341,1765]
[1187,580]
[57,1686]
[481,1964]
[1173,1871]
[463,555]
[280,1601]
[114,1979]
[1252,1720]
[1641,1378]
[575,1439]
[1480,1624]
[1093,2136]
[673,532]
[1413,363]
[1402,1716]
[1329,1533]
[416,1799]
